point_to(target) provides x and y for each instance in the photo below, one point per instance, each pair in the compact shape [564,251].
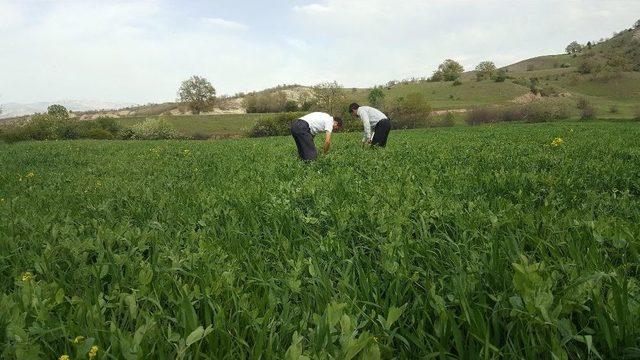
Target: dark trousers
[381,133]
[304,140]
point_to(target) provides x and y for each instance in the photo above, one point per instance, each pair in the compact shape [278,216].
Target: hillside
[606,73]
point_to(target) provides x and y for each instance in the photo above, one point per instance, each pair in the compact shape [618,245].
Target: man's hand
[327,143]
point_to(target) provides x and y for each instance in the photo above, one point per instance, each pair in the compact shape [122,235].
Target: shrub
[501,76]
[274,125]
[589,66]
[268,102]
[457,82]
[545,111]
[155,129]
[582,103]
[565,65]
[100,134]
[482,115]
[514,113]
[448,120]
[108,124]
[549,90]
[588,113]
[410,112]
[58,111]
[290,106]
[614,109]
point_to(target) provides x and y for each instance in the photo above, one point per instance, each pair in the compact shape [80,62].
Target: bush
[565,65]
[108,124]
[155,129]
[589,66]
[514,113]
[614,109]
[268,102]
[588,113]
[500,76]
[100,134]
[448,120]
[545,111]
[410,112]
[274,125]
[549,90]
[582,103]
[482,115]
[457,82]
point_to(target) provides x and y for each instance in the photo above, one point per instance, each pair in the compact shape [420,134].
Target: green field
[464,242]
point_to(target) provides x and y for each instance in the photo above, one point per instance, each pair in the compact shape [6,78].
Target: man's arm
[327,142]
[366,137]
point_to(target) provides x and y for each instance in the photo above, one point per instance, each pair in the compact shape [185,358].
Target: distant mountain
[10,110]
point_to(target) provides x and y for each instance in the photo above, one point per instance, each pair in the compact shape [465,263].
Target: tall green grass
[484,242]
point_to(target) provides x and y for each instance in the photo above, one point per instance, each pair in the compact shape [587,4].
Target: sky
[138,51]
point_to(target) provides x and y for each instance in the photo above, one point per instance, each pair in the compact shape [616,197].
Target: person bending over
[376,124]
[304,129]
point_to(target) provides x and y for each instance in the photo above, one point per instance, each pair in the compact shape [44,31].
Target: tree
[500,76]
[449,70]
[376,96]
[637,25]
[329,97]
[589,45]
[198,93]
[485,70]
[58,111]
[574,48]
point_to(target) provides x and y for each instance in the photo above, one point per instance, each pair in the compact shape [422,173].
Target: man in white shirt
[376,124]
[304,129]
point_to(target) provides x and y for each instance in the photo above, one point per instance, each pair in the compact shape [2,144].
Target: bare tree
[198,93]
[329,97]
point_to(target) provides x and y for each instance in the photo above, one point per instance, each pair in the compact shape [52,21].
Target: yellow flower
[27,276]
[557,142]
[64,357]
[1,200]
[93,352]
[78,339]
[30,174]
[186,152]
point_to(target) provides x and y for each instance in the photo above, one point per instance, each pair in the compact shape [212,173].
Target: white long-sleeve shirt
[319,122]
[370,118]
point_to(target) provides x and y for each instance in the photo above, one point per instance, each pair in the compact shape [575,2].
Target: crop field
[508,241]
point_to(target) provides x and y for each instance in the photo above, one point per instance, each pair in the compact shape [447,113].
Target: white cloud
[313,9]
[225,24]
[140,50]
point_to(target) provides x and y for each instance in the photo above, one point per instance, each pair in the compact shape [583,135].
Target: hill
[605,73]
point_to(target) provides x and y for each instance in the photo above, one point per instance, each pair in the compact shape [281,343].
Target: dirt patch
[526,98]
[453,111]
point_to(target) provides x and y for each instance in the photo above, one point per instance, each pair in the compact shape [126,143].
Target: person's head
[337,123]
[353,109]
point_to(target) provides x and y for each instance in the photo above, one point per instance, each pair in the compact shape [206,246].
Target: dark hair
[338,120]
[353,107]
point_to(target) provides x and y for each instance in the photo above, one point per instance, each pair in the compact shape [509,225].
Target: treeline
[57,125]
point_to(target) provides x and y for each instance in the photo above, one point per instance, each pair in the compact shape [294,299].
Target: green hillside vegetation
[231,125]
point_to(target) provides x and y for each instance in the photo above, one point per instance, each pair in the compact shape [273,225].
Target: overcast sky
[139,50]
